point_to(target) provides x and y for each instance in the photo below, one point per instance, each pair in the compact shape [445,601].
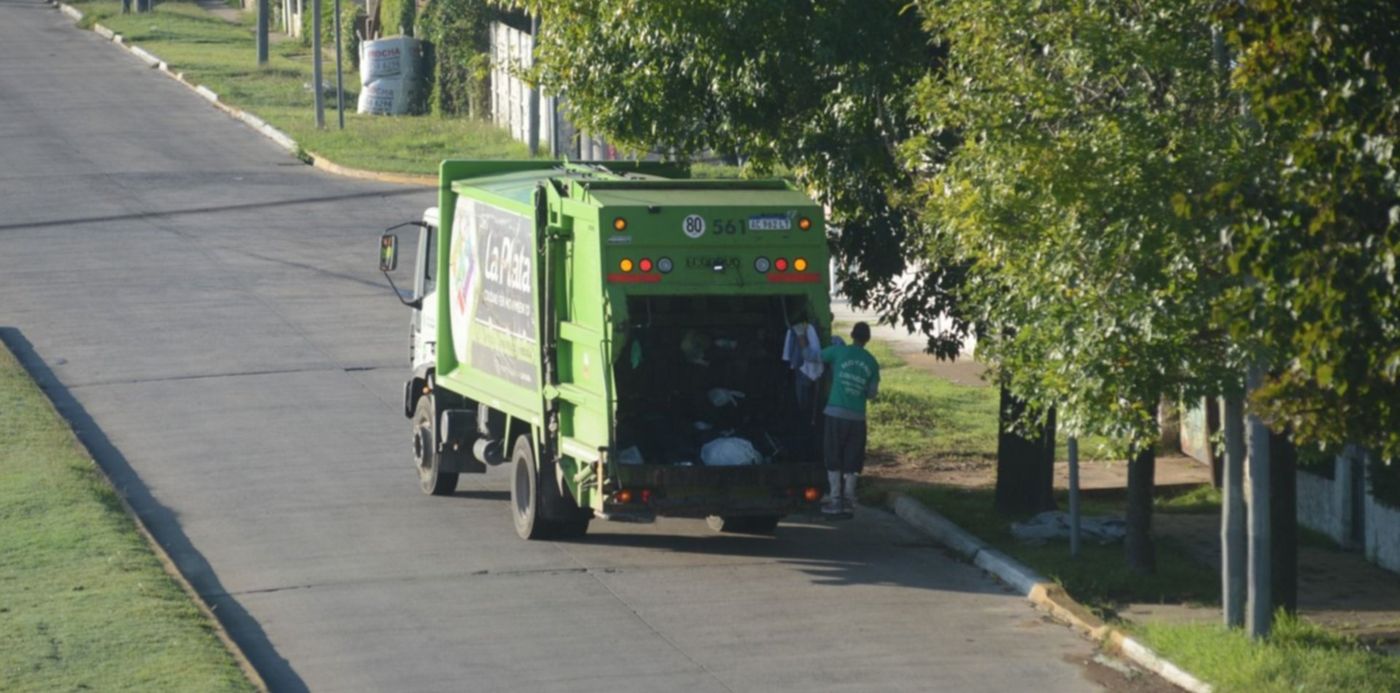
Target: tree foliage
[822,88]
[1092,133]
[458,33]
[1320,243]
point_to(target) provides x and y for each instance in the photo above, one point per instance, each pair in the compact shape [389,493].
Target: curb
[1039,591]
[240,658]
[329,166]
[258,125]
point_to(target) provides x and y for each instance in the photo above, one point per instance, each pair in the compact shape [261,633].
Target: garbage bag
[729,452]
[723,396]
[1054,524]
[630,456]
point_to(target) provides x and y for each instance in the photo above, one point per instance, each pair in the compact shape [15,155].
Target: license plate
[769,222]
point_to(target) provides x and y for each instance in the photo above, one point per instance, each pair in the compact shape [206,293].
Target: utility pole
[262,31]
[1233,559]
[533,129]
[339,73]
[316,64]
[1260,605]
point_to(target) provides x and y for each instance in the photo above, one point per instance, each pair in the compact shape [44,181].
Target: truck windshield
[695,369]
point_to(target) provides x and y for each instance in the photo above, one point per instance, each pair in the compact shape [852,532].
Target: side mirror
[388,252]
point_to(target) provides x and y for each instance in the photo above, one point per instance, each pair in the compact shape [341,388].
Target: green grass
[1298,656]
[1201,500]
[920,415]
[84,603]
[222,56]
[1099,577]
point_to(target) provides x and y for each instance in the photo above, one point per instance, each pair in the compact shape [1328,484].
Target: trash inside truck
[614,333]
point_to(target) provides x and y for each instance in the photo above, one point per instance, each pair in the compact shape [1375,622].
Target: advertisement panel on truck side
[491,280]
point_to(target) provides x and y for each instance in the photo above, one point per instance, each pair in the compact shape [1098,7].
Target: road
[205,309]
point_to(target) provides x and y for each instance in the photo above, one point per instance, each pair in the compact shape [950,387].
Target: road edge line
[1039,591]
[167,563]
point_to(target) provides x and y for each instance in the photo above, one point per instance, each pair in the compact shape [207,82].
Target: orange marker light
[804,223]
[619,224]
[624,496]
[800,264]
[780,264]
[812,494]
[645,264]
[625,265]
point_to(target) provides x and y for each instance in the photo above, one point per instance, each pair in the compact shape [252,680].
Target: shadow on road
[871,550]
[160,520]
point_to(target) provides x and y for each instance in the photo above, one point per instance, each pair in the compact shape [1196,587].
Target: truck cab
[616,334]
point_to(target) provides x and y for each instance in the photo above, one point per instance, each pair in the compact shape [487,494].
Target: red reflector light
[645,264]
[646,495]
[780,264]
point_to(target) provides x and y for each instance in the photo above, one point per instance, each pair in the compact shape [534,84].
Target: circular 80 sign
[693,226]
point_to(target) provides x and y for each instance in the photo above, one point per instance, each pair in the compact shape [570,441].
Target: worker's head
[860,334]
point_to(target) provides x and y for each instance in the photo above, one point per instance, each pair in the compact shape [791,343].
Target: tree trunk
[1283,490]
[1142,469]
[1025,466]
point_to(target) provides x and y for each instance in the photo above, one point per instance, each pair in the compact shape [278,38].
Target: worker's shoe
[848,495]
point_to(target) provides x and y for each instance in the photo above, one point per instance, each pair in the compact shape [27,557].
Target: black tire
[431,479]
[752,524]
[539,510]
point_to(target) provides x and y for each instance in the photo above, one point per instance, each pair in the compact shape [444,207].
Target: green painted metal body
[537,240]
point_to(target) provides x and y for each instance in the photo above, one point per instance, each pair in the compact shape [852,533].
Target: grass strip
[222,56]
[1297,656]
[84,602]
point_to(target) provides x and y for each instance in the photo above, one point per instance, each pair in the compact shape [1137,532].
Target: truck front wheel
[425,455]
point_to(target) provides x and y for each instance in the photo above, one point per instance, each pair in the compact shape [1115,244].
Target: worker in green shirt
[855,379]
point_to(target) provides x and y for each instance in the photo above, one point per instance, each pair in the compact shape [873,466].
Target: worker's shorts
[843,445]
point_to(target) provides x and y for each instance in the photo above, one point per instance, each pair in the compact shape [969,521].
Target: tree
[821,88]
[1319,244]
[1092,133]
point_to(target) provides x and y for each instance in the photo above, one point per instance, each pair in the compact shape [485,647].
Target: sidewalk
[1337,589]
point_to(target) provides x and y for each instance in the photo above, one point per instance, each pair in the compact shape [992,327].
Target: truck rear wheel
[425,456]
[752,524]
[539,510]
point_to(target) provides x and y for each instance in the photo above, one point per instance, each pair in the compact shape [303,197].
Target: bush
[457,58]
[397,17]
[352,17]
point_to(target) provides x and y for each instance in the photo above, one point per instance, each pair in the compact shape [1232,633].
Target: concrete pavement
[206,311]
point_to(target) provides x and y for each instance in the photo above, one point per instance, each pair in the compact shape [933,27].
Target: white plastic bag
[729,452]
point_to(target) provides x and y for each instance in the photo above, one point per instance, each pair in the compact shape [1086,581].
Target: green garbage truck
[614,332]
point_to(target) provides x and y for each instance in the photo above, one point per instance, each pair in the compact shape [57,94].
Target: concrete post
[1233,563]
[1072,449]
[316,64]
[263,11]
[1260,604]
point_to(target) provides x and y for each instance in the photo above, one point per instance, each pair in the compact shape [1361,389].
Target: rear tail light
[812,494]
